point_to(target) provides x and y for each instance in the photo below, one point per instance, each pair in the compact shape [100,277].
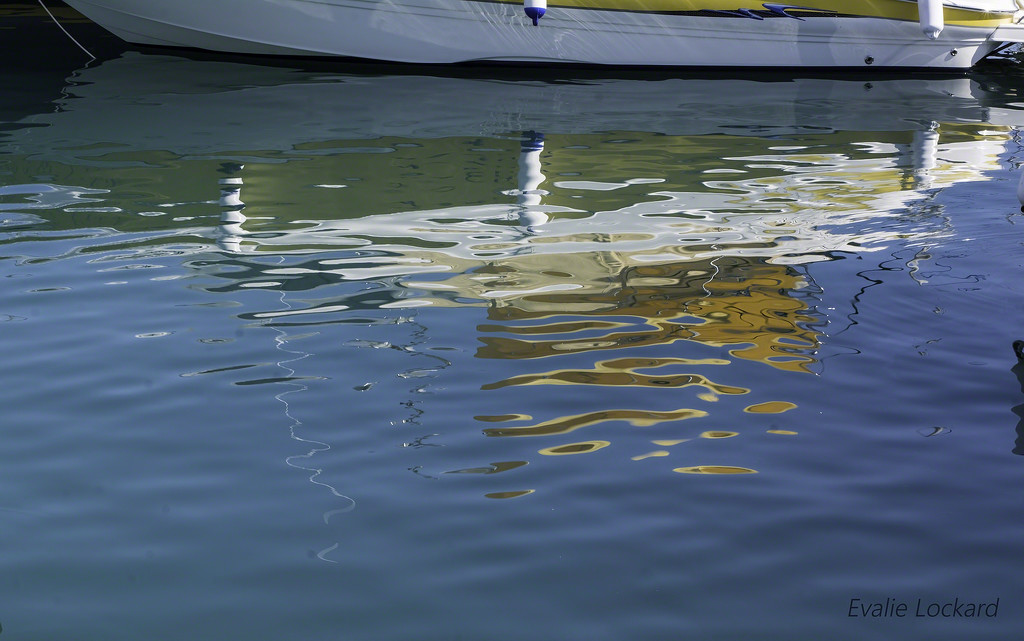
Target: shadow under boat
[40,56]
[184,105]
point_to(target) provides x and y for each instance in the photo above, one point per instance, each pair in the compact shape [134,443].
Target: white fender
[930,12]
[535,9]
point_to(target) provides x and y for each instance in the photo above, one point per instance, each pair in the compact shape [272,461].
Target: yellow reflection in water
[624,378]
[566,424]
[650,363]
[670,442]
[654,454]
[500,418]
[719,434]
[553,328]
[577,346]
[784,432]
[574,448]
[714,469]
[508,495]
[743,303]
[493,468]
[771,407]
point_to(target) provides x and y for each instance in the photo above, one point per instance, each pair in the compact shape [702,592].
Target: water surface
[318,354]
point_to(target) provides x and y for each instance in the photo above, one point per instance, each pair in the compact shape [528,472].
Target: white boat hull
[452,31]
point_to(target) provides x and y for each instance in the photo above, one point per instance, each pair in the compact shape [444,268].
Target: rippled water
[323,355]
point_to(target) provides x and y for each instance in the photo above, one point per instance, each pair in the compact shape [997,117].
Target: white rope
[52,17]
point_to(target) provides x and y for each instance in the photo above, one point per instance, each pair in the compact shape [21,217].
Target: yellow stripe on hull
[888,9]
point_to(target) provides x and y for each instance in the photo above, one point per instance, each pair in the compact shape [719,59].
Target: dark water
[358,354]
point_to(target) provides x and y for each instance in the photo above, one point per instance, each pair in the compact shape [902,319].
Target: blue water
[357,354]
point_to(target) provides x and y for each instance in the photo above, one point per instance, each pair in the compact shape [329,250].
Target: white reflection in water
[810,205]
[305,461]
[531,177]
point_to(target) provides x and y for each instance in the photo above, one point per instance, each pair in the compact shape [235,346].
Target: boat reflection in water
[640,252]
